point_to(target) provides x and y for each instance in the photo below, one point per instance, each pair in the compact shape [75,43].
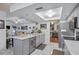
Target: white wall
[9,23]
[74,14]
[47,32]
[2,32]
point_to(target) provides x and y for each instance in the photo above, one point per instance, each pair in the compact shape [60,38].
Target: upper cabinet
[78,17]
[74,19]
[73,23]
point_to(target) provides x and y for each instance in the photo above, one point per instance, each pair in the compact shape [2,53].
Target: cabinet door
[42,38]
[17,47]
[32,44]
[38,40]
[25,47]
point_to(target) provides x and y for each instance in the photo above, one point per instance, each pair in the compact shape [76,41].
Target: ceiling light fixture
[52,22]
[50,13]
[17,21]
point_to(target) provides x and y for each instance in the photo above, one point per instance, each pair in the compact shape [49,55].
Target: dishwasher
[32,44]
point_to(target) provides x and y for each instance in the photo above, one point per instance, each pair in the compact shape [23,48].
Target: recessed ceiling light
[16,21]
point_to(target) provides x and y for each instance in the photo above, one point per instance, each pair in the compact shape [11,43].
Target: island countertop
[73,46]
[25,37]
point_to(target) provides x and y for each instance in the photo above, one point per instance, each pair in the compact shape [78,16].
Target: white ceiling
[17,20]
[18,6]
[28,13]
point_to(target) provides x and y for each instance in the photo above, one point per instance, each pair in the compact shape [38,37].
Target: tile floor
[46,51]
[7,52]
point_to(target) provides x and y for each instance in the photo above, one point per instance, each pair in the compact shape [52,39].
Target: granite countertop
[25,37]
[73,46]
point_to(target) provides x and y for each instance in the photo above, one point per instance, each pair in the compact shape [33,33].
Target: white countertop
[73,46]
[25,37]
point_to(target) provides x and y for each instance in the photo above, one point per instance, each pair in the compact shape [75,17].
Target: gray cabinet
[27,46]
[71,24]
[38,40]
[32,44]
[42,38]
[21,47]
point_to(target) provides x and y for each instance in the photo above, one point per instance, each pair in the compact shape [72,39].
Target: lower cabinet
[42,38]
[27,46]
[21,47]
[38,40]
[32,44]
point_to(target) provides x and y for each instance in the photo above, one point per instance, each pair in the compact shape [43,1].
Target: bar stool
[9,42]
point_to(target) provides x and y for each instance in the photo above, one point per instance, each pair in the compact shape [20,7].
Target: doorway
[54,31]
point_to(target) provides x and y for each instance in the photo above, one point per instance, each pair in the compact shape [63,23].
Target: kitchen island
[71,47]
[25,45]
